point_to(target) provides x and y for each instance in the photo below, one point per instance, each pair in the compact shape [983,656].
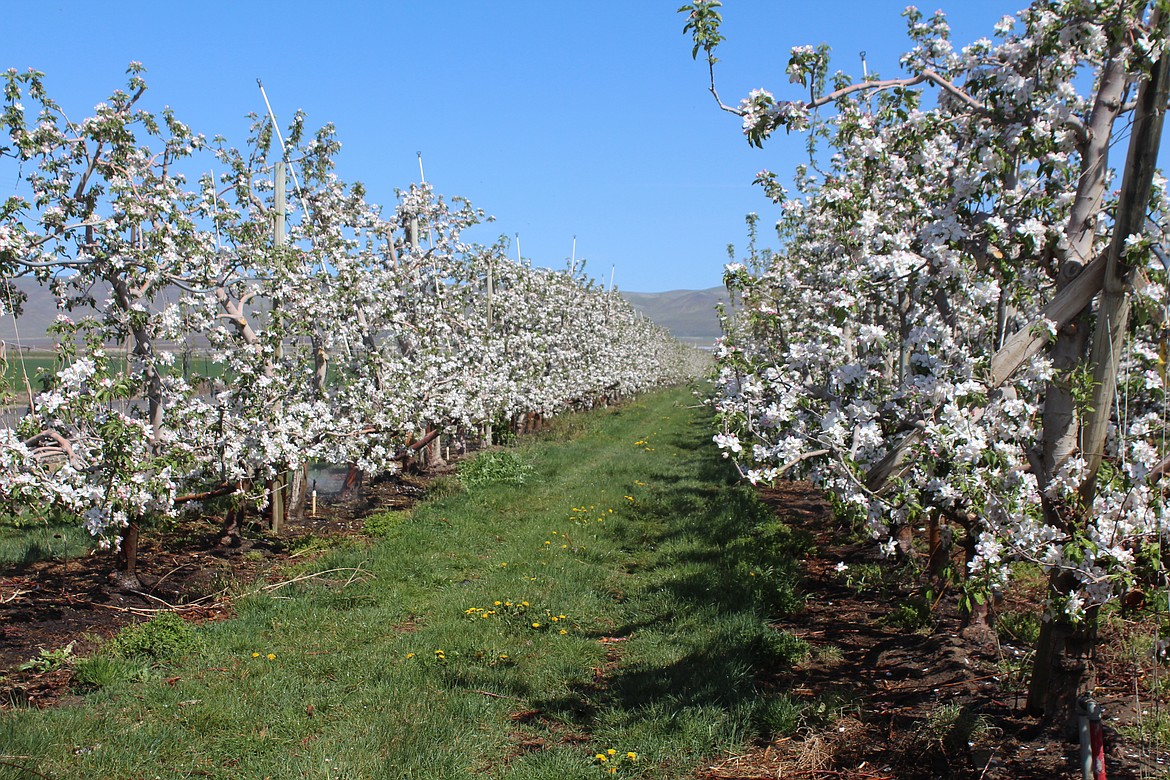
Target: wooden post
[1113,311]
[279,239]
[490,291]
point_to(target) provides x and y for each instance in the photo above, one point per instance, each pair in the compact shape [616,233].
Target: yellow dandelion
[611,752]
[410,655]
[563,632]
[602,757]
[632,756]
[255,655]
[272,656]
[495,603]
[536,625]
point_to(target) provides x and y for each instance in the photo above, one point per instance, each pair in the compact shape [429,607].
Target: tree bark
[298,493]
[1064,662]
[125,575]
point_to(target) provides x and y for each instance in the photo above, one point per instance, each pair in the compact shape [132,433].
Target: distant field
[22,364]
[31,363]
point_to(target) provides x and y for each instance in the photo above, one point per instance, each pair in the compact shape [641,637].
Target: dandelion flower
[272,656]
[536,625]
[410,655]
[632,756]
[255,655]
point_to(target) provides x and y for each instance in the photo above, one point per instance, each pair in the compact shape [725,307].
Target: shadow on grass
[708,566]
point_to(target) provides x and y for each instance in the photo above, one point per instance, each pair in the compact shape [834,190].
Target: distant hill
[689,315]
[39,311]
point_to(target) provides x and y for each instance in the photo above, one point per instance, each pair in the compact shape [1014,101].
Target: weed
[784,649]
[862,577]
[49,660]
[1152,729]
[828,655]
[382,523]
[1018,627]
[443,486]
[778,716]
[951,727]
[913,615]
[103,671]
[161,638]
[500,467]
[310,545]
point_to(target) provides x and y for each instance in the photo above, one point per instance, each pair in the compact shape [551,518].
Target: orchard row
[965,326]
[337,332]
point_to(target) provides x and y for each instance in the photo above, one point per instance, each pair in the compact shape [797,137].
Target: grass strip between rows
[607,617]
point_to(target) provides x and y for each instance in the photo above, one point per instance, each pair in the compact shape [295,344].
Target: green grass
[634,582]
[26,540]
[33,362]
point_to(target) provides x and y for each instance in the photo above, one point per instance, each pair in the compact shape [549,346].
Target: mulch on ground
[911,704]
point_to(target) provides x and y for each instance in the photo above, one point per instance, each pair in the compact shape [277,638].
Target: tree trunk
[298,493]
[1060,668]
[230,534]
[276,502]
[125,576]
[904,537]
[941,539]
[1064,663]
[352,486]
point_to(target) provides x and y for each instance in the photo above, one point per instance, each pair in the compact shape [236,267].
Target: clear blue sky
[558,118]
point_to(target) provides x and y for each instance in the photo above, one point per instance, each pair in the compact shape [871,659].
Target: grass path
[618,601]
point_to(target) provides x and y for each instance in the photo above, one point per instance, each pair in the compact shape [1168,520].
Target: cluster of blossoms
[868,354]
[350,340]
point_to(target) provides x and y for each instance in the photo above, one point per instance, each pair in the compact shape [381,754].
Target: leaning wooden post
[1113,311]
[279,239]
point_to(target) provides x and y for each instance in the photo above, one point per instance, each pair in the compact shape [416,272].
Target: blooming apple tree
[336,332]
[920,345]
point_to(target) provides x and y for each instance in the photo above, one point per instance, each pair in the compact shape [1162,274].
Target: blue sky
[560,119]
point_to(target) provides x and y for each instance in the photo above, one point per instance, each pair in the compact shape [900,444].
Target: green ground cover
[600,609]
